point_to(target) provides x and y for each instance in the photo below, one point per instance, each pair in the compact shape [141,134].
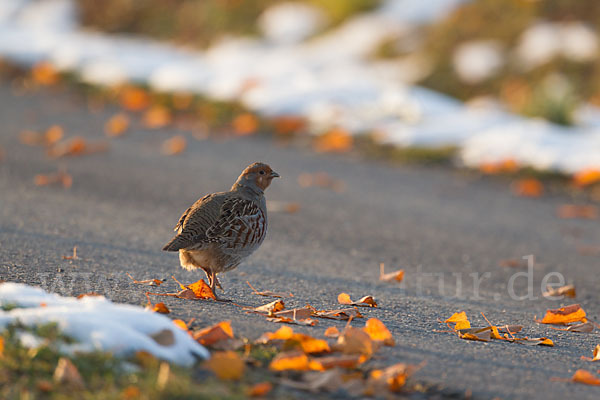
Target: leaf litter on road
[365,301]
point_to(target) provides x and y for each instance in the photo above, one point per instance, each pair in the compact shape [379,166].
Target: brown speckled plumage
[221,229]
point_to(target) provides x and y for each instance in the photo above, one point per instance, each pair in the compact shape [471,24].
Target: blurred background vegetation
[535,57]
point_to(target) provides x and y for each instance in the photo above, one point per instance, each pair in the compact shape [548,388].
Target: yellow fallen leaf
[595,355]
[161,308]
[181,324]
[365,301]
[457,317]
[227,365]
[344,298]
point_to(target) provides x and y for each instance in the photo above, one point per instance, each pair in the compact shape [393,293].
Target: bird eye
[262,172]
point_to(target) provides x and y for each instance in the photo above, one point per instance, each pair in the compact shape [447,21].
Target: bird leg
[213,281]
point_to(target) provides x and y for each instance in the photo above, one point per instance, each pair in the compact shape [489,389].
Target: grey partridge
[221,229]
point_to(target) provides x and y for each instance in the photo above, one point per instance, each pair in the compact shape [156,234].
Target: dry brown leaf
[117,125]
[365,301]
[67,374]
[336,140]
[355,341]
[571,211]
[379,332]
[585,327]
[259,389]
[568,291]
[397,276]
[290,361]
[595,355]
[510,328]
[564,315]
[527,187]
[174,145]
[245,124]
[214,334]
[342,314]
[268,293]
[227,365]
[393,377]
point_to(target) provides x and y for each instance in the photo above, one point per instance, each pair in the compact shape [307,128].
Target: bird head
[257,175]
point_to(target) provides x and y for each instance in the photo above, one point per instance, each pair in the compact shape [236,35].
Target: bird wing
[241,223]
[195,222]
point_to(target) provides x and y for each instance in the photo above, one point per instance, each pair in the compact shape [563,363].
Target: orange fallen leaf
[290,361]
[214,334]
[270,308]
[73,257]
[586,177]
[572,211]
[365,301]
[245,124]
[260,389]
[44,73]
[585,377]
[332,332]
[199,289]
[226,365]
[288,124]
[336,140]
[564,315]
[117,125]
[181,324]
[567,291]
[283,333]
[134,99]
[348,361]
[53,134]
[378,332]
[161,308]
[397,276]
[174,145]
[528,187]
[595,355]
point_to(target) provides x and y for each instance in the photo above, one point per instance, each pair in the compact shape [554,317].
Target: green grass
[196,22]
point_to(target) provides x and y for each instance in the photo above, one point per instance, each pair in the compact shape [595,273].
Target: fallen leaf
[567,291]
[149,282]
[283,333]
[378,332]
[134,99]
[1,346]
[131,392]
[270,308]
[260,389]
[199,290]
[66,373]
[53,134]
[586,177]
[585,327]
[571,211]
[585,377]
[564,315]
[161,308]
[61,177]
[342,314]
[174,145]
[527,187]
[366,301]
[543,341]
[342,361]
[74,256]
[245,124]
[595,356]
[157,117]
[510,328]
[76,146]
[500,167]
[393,377]
[390,276]
[268,293]
[89,294]
[226,365]
[336,140]
[117,125]
[44,73]
[294,361]
[214,334]
[181,324]
[355,341]
[288,124]
[332,332]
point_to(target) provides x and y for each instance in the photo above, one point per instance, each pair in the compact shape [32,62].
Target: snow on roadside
[97,324]
[328,79]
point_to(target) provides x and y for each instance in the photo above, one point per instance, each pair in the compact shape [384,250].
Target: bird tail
[173,245]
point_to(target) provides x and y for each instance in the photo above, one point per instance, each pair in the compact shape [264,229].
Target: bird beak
[274,174]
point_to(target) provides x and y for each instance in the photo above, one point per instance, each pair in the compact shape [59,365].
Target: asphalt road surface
[445,228]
